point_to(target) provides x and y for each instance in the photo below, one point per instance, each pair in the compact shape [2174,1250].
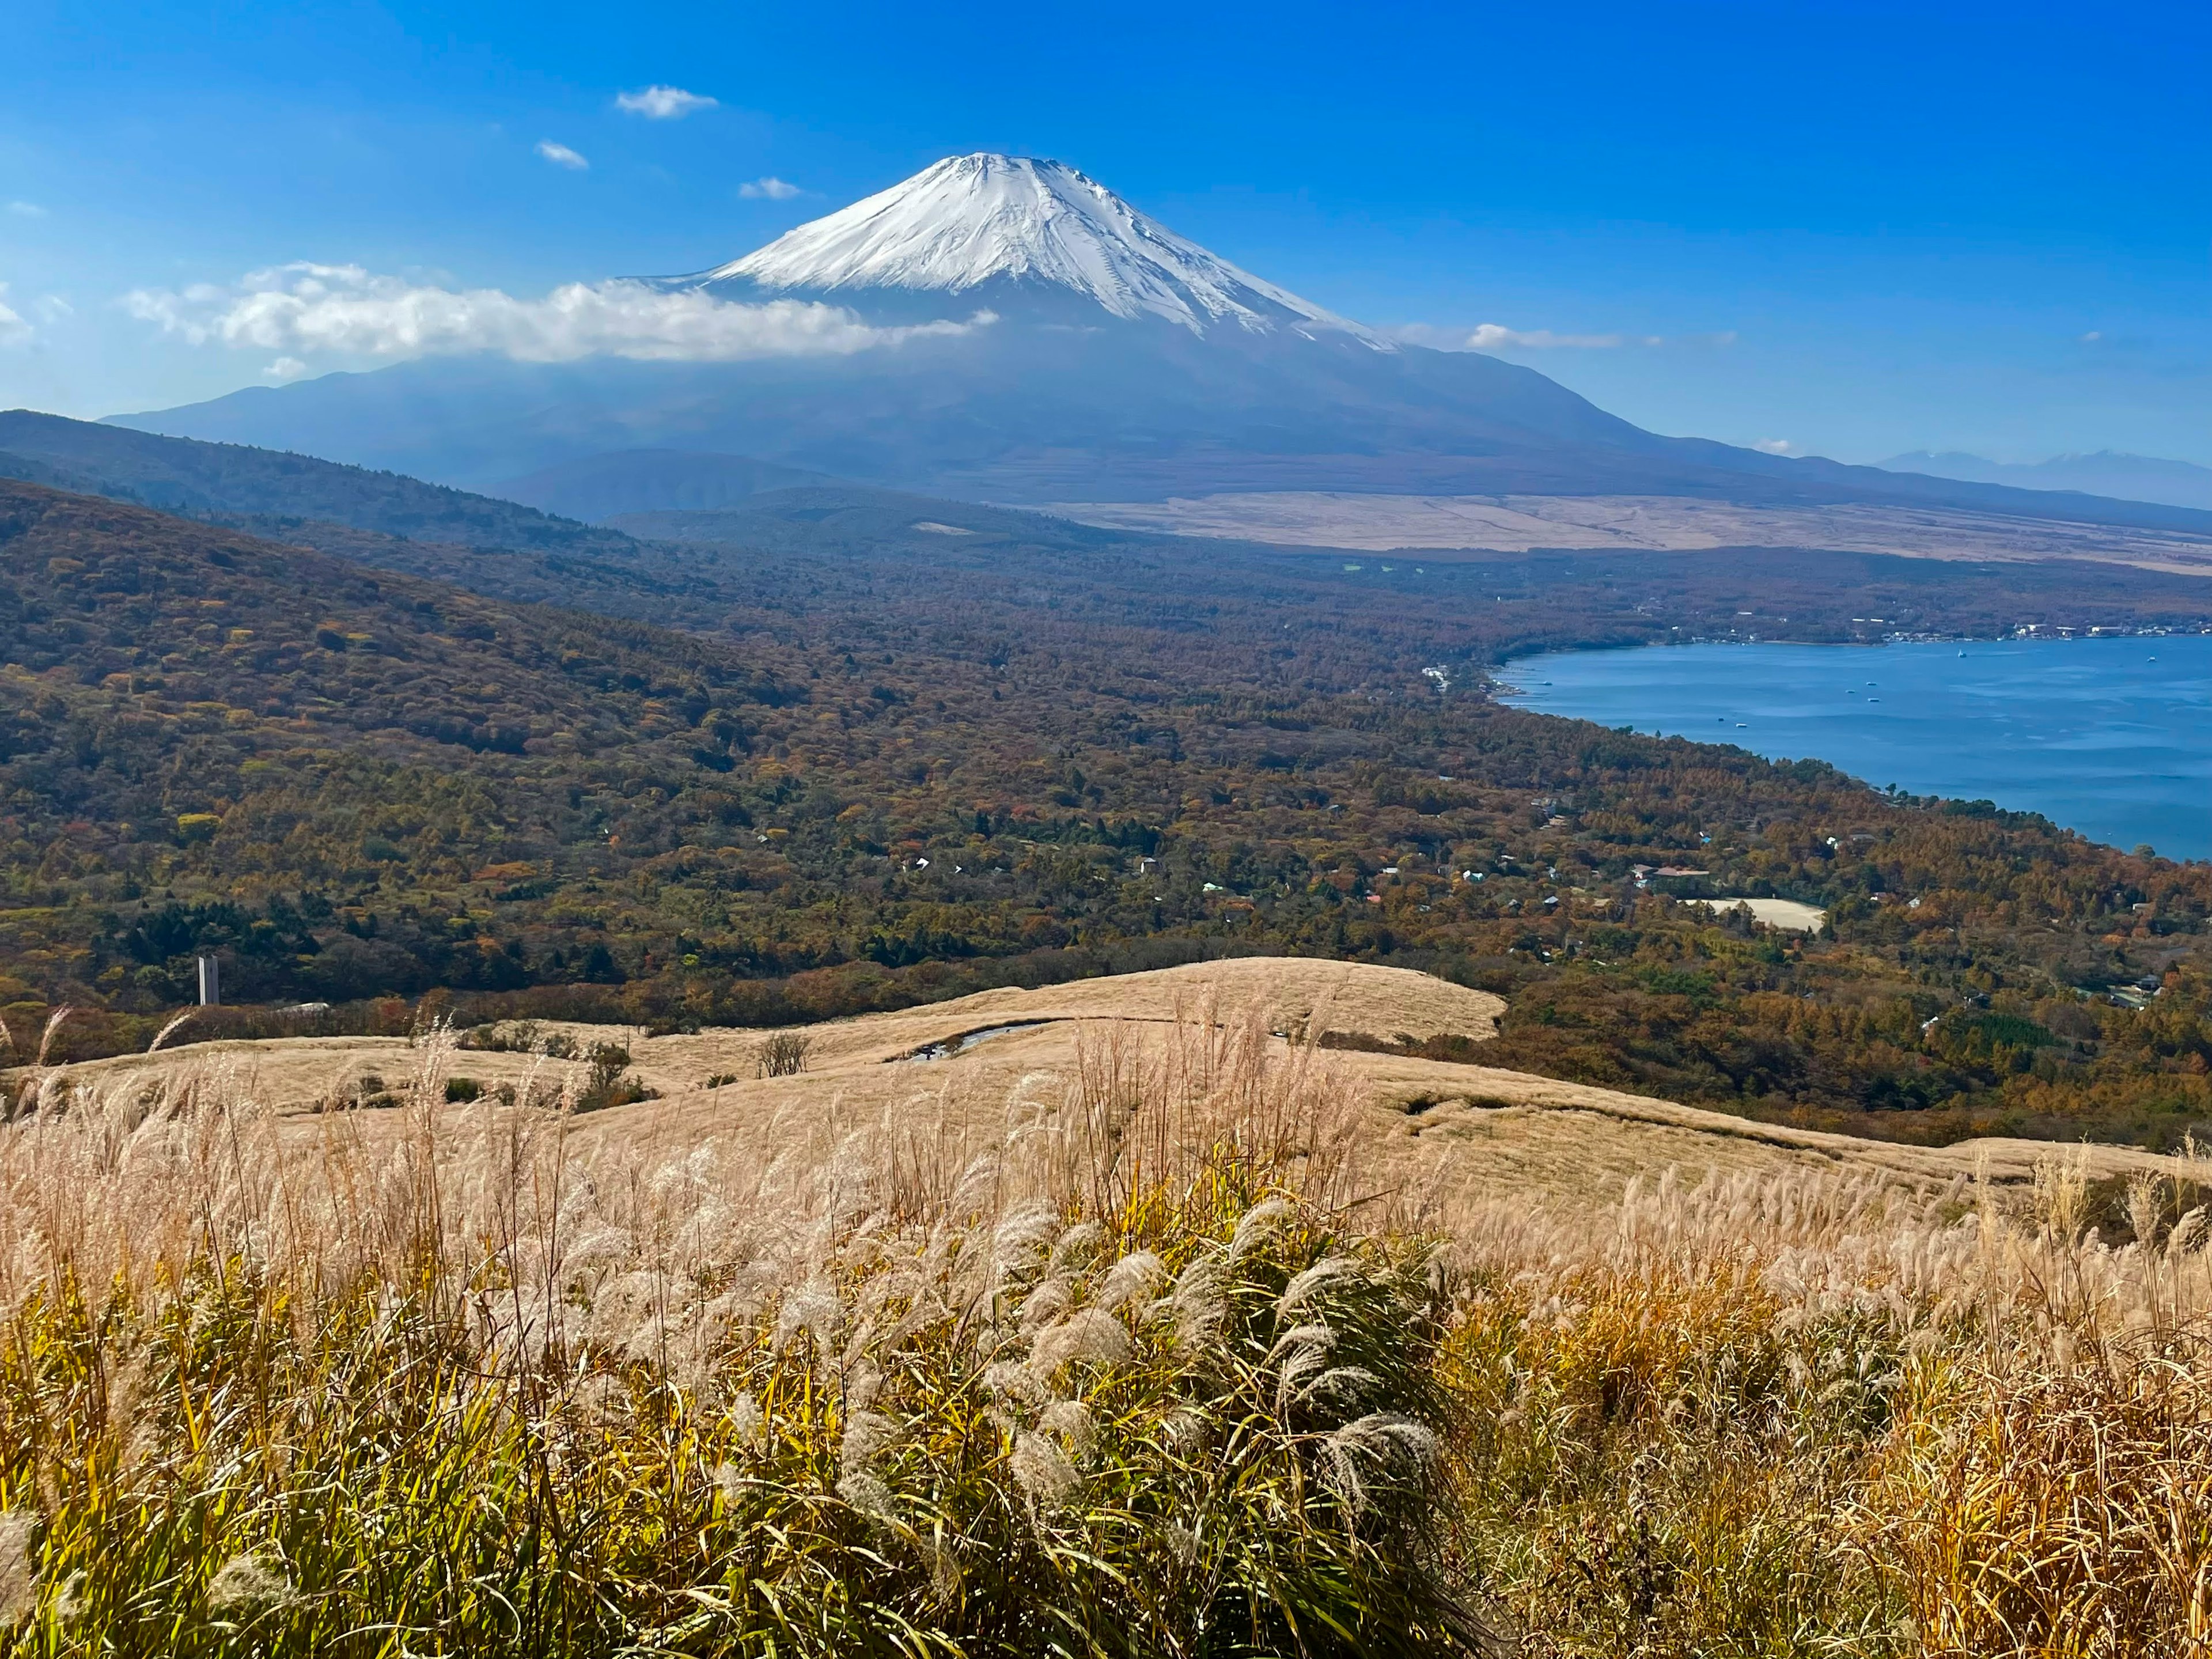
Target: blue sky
[1859,228]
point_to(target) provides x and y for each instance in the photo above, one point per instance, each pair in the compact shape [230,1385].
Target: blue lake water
[2110,737]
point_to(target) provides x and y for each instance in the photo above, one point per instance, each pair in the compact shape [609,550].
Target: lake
[2110,737]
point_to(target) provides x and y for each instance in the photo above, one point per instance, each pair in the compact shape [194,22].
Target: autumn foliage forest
[809,761]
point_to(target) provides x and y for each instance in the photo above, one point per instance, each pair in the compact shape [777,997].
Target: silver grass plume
[246,1584]
[1133,1276]
[1071,1421]
[1260,1224]
[1043,1471]
[1198,1305]
[19,1587]
[1329,1271]
[1384,1439]
[1088,1335]
[866,1435]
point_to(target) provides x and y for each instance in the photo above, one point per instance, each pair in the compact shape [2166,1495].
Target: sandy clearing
[1787,915]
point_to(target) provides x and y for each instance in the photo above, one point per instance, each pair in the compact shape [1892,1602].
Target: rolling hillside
[197,722]
[894,765]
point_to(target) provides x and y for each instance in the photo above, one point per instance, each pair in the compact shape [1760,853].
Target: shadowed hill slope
[267,490]
[599,487]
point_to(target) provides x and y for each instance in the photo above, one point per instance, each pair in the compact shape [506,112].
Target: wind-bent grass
[1123,1381]
[1145,1369]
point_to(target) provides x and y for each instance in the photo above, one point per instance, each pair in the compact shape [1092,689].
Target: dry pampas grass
[465,1379]
[1141,1360]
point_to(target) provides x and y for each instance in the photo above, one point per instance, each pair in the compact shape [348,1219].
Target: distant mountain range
[1080,351]
[2135,477]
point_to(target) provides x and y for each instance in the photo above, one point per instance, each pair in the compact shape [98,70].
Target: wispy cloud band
[1496,337]
[304,309]
[1490,337]
[562,156]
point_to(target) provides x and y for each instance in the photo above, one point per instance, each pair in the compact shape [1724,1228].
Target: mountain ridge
[2104,473]
[892,766]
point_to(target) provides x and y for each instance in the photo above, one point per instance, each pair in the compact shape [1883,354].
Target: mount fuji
[1025,237]
[1072,349]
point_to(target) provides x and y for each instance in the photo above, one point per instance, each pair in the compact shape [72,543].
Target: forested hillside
[898,764]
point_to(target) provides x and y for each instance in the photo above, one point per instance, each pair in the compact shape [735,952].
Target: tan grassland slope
[1473,1128]
[1437,527]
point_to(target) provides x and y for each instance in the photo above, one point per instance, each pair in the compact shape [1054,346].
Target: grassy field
[1177,1340]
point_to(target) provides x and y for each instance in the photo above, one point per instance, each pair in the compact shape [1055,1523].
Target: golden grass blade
[169,1030]
[54,1023]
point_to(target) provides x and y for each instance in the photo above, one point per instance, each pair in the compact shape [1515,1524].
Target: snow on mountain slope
[972,220]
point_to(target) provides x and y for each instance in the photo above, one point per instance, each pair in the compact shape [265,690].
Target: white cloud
[1496,337]
[772,188]
[1773,446]
[561,155]
[662,103]
[1490,337]
[52,308]
[285,368]
[304,308]
[13,330]
[27,209]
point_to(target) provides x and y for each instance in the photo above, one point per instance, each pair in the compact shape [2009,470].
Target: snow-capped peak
[975,220]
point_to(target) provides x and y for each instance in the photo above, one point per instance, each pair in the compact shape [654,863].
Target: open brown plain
[1438,527]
